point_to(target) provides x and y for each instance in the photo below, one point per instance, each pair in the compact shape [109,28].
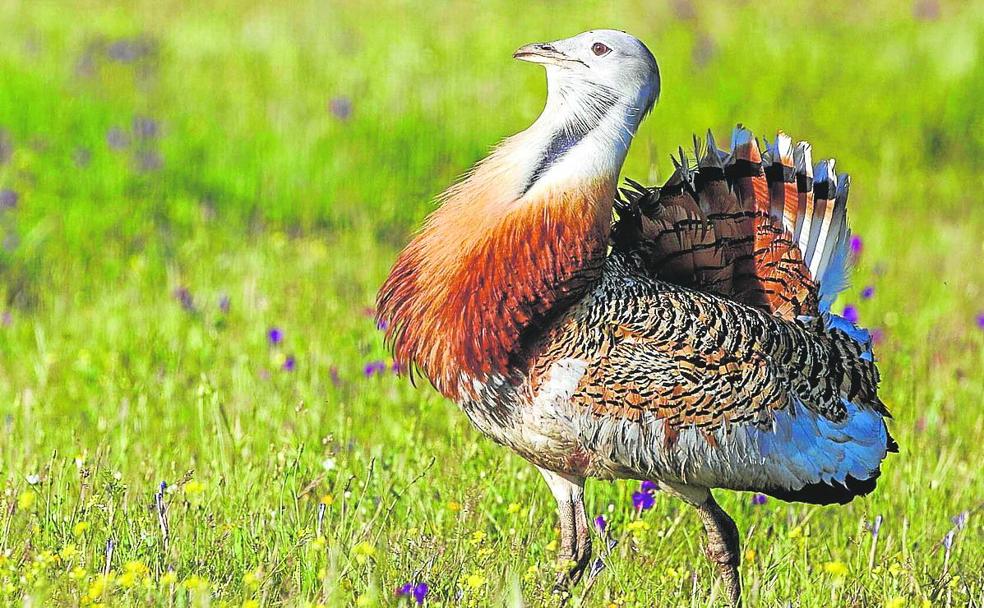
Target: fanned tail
[765,228]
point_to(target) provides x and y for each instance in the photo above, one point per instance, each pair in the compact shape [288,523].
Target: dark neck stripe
[570,134]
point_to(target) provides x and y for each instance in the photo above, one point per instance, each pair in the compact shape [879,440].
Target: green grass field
[177,179]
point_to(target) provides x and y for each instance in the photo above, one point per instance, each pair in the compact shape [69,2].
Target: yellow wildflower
[475,580]
[454,506]
[168,578]
[750,555]
[319,543]
[195,583]
[477,537]
[895,602]
[25,502]
[251,604]
[638,527]
[77,573]
[136,567]
[194,488]
[513,508]
[80,528]
[531,574]
[837,569]
[133,572]
[98,585]
[46,558]
[362,600]
[895,569]
[68,552]
[363,552]
[127,580]
[252,579]
[327,500]
[552,545]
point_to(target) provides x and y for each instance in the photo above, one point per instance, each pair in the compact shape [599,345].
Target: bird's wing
[687,384]
[765,229]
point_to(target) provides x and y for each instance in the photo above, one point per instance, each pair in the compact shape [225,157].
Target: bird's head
[599,71]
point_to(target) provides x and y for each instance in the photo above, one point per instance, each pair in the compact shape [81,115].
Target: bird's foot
[571,570]
[726,562]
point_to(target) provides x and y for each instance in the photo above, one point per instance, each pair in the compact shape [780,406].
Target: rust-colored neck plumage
[486,272]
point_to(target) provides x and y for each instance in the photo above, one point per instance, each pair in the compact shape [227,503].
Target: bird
[681,334]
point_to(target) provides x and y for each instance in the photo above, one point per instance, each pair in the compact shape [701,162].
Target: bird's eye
[600,49]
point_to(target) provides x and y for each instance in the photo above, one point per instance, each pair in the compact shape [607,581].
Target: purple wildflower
[877,336]
[875,526]
[289,363]
[850,313]
[397,368]
[643,501]
[759,499]
[8,199]
[980,320]
[340,107]
[601,523]
[417,591]
[857,245]
[6,319]
[420,592]
[183,295]
[129,50]
[224,304]
[149,161]
[948,540]
[145,127]
[374,367]
[336,379]
[117,139]
[960,519]
[649,486]
[382,325]
[867,292]
[275,336]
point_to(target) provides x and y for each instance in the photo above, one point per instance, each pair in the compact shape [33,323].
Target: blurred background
[180,179]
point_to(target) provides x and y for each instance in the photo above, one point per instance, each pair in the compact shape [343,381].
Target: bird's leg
[722,547]
[575,536]
[722,535]
[582,538]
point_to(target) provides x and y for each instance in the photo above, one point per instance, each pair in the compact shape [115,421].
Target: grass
[167,155]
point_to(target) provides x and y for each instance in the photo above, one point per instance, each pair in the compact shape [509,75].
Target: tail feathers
[820,461]
[767,228]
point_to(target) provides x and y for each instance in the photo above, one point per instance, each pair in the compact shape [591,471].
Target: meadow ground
[179,179]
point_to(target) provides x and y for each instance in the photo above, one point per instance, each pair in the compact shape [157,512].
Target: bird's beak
[540,52]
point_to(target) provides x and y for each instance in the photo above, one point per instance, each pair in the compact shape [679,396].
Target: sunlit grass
[188,177]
